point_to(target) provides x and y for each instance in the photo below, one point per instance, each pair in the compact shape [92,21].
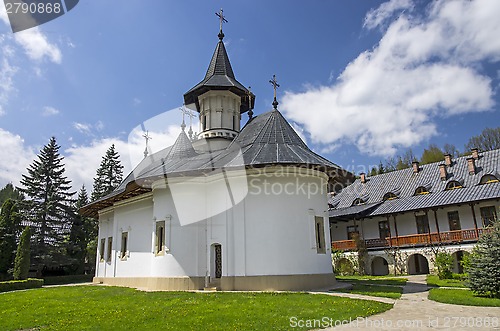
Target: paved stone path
[415,312]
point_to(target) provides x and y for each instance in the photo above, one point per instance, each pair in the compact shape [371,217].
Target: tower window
[110,247]
[160,238]
[320,234]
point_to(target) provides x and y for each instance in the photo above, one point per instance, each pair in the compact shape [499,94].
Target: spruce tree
[48,205]
[22,261]
[83,230]
[10,221]
[483,267]
[109,175]
[10,192]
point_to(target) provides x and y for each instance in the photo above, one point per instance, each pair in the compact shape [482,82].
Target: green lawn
[461,297]
[115,308]
[433,280]
[393,292]
[380,280]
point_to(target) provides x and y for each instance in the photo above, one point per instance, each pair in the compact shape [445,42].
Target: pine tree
[83,230]
[9,229]
[483,271]
[109,175]
[48,204]
[22,261]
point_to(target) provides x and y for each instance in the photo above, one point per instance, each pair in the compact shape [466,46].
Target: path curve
[415,312]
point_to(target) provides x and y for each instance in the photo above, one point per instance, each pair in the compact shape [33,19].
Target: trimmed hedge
[71,279]
[13,285]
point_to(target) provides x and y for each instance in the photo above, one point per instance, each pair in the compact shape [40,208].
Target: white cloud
[136,101]
[423,68]
[385,11]
[7,72]
[15,157]
[50,111]
[87,128]
[34,42]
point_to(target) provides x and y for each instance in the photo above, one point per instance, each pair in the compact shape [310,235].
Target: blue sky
[361,80]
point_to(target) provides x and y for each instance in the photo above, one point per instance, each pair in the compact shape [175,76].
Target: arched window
[421,190]
[453,185]
[486,179]
[390,196]
[358,202]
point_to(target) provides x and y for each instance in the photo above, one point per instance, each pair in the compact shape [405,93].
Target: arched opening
[418,265]
[389,196]
[421,190]
[358,202]
[486,179]
[380,267]
[453,185]
[458,257]
[344,267]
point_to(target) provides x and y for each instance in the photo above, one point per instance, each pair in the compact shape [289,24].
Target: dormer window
[421,190]
[453,185]
[390,196]
[487,179]
[358,202]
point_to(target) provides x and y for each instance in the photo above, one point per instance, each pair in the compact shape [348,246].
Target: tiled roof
[404,182]
[219,76]
[267,139]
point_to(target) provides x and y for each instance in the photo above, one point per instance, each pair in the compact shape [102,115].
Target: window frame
[488,179]
[102,248]
[160,239]
[423,226]
[110,249]
[319,231]
[386,229]
[457,226]
[389,196]
[350,233]
[453,185]
[124,246]
[482,211]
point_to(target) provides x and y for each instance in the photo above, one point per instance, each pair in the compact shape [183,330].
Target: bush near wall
[13,285]
[70,279]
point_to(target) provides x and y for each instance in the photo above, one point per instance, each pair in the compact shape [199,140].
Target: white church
[236,209]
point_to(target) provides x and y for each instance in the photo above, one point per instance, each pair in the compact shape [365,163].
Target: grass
[461,297]
[433,280]
[115,308]
[386,291]
[379,280]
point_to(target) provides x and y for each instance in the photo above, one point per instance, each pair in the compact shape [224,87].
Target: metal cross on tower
[148,138]
[275,84]
[191,115]
[222,20]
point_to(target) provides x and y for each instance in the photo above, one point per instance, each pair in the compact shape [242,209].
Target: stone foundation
[235,283]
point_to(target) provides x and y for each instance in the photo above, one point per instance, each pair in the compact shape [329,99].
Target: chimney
[447,160]
[471,165]
[442,172]
[363,177]
[415,166]
[475,153]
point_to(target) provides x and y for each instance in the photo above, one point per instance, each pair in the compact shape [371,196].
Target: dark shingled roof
[267,139]
[404,183]
[219,76]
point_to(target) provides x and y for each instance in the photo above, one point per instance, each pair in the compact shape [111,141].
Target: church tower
[219,98]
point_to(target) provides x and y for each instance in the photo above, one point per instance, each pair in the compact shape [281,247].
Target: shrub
[13,285]
[444,264]
[483,270]
[22,261]
[71,279]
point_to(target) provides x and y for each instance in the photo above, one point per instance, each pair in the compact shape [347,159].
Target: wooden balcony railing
[448,237]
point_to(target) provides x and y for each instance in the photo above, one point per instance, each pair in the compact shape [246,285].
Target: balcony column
[474,218]
[437,223]
[389,228]
[396,229]
[428,226]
